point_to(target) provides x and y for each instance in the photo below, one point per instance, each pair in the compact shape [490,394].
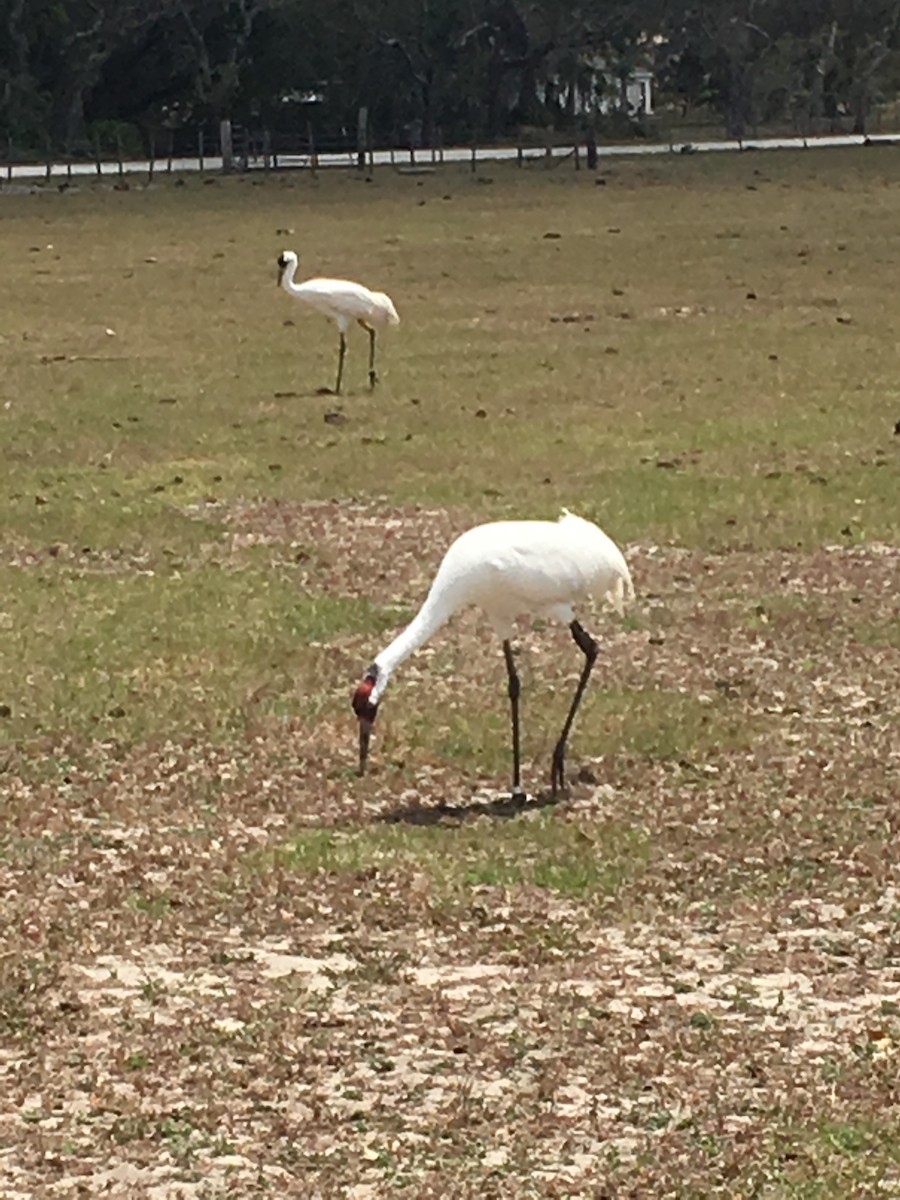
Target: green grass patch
[868,633]
[836,1158]
[145,653]
[653,723]
[664,724]
[666,360]
[542,852]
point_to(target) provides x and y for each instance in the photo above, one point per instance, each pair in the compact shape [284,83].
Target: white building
[639,91]
[605,94]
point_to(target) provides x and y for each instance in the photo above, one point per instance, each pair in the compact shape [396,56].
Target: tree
[85,34]
[866,44]
[421,65]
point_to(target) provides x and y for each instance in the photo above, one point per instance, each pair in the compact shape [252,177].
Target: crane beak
[365,732]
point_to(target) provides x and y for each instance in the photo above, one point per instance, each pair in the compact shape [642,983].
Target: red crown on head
[362,697]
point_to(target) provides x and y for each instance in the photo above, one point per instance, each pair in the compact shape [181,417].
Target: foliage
[426,68]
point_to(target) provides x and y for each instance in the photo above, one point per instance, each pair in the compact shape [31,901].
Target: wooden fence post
[267,150]
[362,125]
[592,149]
[200,150]
[226,145]
[171,150]
[119,153]
[152,149]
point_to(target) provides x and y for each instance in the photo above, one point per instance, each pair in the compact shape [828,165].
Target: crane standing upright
[344,302]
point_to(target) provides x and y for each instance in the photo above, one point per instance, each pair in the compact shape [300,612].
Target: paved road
[402,158]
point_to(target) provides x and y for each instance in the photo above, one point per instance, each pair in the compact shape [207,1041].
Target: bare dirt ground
[231,968]
[234,970]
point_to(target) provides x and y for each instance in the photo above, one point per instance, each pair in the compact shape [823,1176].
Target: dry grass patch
[689,970]
[231,968]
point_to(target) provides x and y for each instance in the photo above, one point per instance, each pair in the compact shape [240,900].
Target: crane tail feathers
[387,305]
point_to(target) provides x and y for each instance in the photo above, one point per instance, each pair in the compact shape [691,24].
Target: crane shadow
[307,393]
[503,808]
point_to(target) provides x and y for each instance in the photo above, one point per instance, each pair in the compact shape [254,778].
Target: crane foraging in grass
[508,568]
[344,302]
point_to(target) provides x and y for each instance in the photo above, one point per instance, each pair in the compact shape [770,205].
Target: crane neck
[435,612]
[287,278]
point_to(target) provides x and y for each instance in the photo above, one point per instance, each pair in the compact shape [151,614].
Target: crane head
[366,711]
[282,265]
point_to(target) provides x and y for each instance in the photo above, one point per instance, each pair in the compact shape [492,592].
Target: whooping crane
[343,301]
[508,568]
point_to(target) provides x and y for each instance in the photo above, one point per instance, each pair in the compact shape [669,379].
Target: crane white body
[509,569]
[344,302]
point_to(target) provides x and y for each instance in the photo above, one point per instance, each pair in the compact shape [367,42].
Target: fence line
[267,151]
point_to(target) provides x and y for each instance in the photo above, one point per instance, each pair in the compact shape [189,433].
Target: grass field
[229,967]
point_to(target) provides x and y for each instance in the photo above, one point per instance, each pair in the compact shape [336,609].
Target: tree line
[428,69]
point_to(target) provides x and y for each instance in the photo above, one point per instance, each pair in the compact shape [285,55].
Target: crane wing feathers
[509,567]
[352,300]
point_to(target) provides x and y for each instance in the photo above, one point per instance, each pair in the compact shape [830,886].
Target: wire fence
[229,146]
[232,147]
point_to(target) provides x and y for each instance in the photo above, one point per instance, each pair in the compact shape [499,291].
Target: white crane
[343,301]
[509,568]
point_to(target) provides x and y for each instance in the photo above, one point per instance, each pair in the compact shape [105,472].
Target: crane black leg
[340,374]
[590,649]
[514,689]
[373,378]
